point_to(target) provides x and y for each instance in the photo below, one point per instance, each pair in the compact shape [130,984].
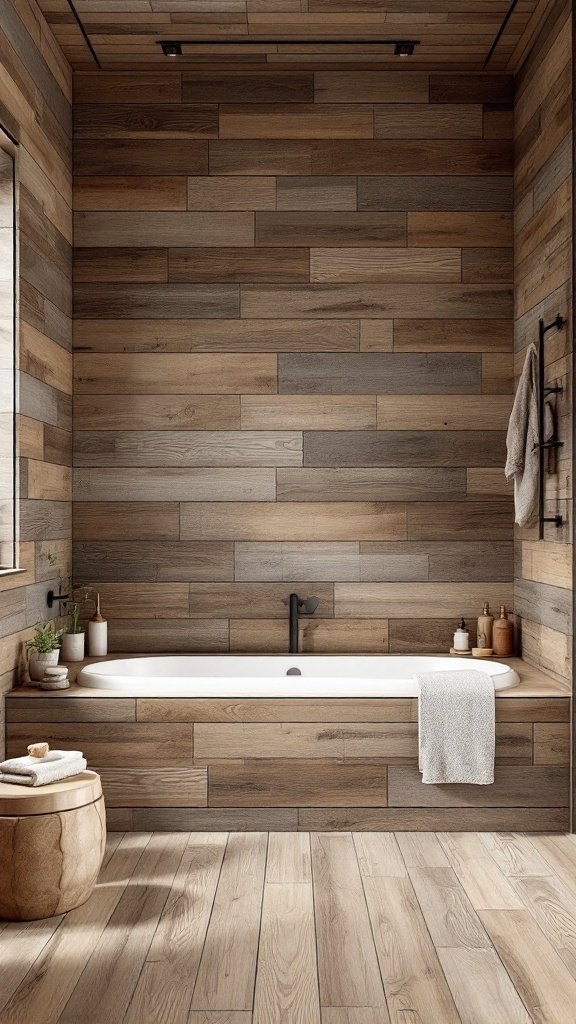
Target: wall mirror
[8,323]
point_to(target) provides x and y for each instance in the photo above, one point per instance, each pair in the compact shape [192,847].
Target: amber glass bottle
[503,635]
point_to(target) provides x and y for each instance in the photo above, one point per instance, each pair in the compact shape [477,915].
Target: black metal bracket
[544,446]
[52,598]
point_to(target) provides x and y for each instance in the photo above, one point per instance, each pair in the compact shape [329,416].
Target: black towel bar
[544,446]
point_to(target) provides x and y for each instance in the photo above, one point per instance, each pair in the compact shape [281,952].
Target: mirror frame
[9,145]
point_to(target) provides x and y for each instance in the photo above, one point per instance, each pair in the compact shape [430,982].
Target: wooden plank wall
[184,763]
[543,288]
[293,354]
[35,106]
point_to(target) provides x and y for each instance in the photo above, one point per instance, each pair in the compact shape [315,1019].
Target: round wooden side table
[51,846]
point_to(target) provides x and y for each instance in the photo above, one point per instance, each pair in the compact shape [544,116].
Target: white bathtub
[263,676]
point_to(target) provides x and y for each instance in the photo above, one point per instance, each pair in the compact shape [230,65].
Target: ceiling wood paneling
[454,34]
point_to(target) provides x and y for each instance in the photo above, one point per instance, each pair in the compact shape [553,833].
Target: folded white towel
[522,439]
[40,771]
[456,727]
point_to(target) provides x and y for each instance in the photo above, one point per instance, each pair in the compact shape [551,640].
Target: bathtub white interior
[332,676]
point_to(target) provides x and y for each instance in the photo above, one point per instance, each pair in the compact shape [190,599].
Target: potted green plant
[74,636]
[44,648]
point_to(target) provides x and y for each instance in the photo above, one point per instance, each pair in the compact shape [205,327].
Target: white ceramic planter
[38,662]
[73,646]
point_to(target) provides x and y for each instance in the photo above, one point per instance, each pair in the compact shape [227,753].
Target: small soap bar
[38,749]
[482,652]
[460,654]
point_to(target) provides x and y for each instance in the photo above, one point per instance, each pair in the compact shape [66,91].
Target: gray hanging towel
[522,440]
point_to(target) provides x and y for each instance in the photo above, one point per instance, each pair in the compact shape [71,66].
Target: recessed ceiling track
[84,33]
[173,47]
[500,32]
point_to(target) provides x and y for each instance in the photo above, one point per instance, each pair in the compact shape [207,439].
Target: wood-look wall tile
[376,335]
[522,786]
[45,520]
[277,783]
[239,265]
[270,335]
[152,121]
[377,302]
[231,86]
[402,448]
[222,193]
[384,373]
[139,601]
[404,156]
[446,88]
[71,709]
[40,401]
[544,562]
[417,819]
[424,636]
[298,709]
[300,412]
[49,481]
[296,121]
[461,229]
[122,264]
[188,229]
[294,521]
[126,483]
[154,787]
[175,374]
[315,194]
[402,264]
[429,121]
[370,87]
[153,520]
[156,412]
[57,445]
[122,744]
[251,600]
[330,561]
[487,264]
[180,636]
[416,600]
[240,819]
[260,157]
[45,359]
[497,373]
[402,484]
[156,301]
[453,335]
[552,743]
[330,229]
[488,481]
[142,87]
[208,448]
[444,412]
[130,192]
[139,157]
[465,560]
[435,192]
[164,561]
[472,520]
[543,604]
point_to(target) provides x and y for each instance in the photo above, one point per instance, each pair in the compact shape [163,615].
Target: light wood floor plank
[481,987]
[351,1015]
[421,850]
[413,978]
[106,985]
[553,907]
[228,966]
[478,873]
[47,987]
[546,988]
[347,962]
[287,977]
[288,857]
[379,855]
[450,917]
[219,1017]
[514,854]
[559,852]
[20,946]
[165,986]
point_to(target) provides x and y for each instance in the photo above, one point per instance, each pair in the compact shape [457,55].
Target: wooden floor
[300,928]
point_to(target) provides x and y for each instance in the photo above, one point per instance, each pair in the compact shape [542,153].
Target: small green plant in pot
[74,638]
[44,648]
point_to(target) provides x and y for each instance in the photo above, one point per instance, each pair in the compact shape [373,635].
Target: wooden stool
[51,846]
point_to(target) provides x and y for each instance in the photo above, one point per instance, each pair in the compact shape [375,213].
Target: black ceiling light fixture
[171,49]
[402,47]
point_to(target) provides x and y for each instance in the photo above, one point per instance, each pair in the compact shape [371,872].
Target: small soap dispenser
[485,625]
[97,633]
[462,637]
[503,635]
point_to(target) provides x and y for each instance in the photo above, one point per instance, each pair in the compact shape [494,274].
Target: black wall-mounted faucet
[298,605]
